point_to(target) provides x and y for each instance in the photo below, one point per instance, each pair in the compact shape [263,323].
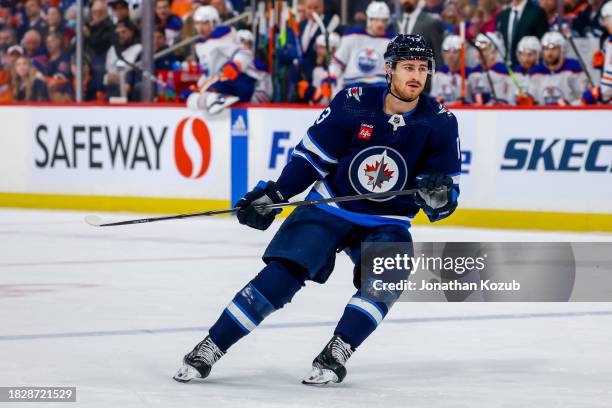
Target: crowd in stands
[508,56]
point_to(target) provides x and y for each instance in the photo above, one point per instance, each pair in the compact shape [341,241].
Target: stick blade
[93,220]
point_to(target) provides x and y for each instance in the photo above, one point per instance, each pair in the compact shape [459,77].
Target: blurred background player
[359,59]
[557,80]
[320,89]
[528,52]
[603,61]
[263,86]
[490,72]
[447,80]
[227,66]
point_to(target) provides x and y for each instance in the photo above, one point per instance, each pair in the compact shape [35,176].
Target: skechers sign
[567,155]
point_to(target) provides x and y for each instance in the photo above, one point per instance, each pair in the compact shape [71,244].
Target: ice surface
[113,310]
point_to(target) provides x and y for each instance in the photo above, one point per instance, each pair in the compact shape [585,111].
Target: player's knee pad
[278,282]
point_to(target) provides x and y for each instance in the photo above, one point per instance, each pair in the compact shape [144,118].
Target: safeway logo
[192,134]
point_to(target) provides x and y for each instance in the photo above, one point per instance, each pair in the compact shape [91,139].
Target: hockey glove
[263,194]
[435,195]
[591,96]
[231,71]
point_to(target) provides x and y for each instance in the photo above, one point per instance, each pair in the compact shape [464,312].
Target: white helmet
[334,40]
[606,10]
[553,38]
[204,14]
[529,43]
[452,42]
[245,36]
[494,40]
[378,9]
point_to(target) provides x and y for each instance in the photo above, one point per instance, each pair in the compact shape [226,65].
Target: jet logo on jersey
[378,169]
[365,132]
[355,93]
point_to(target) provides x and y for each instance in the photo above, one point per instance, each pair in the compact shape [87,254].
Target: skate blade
[186,373]
[320,378]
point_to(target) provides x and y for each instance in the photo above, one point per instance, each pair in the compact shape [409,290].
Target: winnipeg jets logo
[355,93]
[378,169]
[378,173]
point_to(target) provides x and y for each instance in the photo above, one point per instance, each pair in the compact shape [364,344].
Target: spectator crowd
[487,51]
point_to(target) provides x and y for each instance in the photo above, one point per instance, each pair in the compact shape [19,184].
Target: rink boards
[524,169]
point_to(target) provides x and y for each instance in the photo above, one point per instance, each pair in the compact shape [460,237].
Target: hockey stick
[570,38]
[96,221]
[515,80]
[486,69]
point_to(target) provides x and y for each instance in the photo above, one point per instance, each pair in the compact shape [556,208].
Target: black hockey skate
[198,362]
[328,366]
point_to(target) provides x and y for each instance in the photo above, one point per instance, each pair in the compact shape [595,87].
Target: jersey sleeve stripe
[306,156]
[311,145]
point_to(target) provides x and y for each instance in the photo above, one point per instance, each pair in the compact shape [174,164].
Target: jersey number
[324,115]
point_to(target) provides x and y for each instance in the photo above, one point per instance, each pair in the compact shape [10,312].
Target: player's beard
[402,94]
[553,62]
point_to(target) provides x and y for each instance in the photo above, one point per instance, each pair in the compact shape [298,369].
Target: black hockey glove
[434,195]
[262,194]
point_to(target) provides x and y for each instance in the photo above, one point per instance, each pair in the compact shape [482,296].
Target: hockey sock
[360,318]
[270,290]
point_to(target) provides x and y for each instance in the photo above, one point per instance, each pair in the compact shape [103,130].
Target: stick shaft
[271,206]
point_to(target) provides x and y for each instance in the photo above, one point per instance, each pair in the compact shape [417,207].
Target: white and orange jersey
[222,47]
[606,77]
[567,83]
[479,85]
[360,58]
[446,85]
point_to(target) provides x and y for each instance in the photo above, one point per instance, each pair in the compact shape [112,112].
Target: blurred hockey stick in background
[486,70]
[96,221]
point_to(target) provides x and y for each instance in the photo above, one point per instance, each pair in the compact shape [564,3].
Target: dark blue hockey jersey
[354,147]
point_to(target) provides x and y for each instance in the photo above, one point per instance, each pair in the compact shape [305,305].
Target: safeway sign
[169,152]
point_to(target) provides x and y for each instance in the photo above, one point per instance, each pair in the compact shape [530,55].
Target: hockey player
[490,72]
[447,81]
[263,86]
[228,72]
[359,60]
[371,139]
[557,80]
[528,52]
[606,77]
[320,90]
[603,93]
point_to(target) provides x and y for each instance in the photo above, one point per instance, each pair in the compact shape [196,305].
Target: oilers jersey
[567,83]
[354,147]
[360,58]
[606,77]
[479,84]
[220,48]
[523,77]
[446,85]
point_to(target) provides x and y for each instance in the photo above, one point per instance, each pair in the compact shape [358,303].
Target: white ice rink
[112,311]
